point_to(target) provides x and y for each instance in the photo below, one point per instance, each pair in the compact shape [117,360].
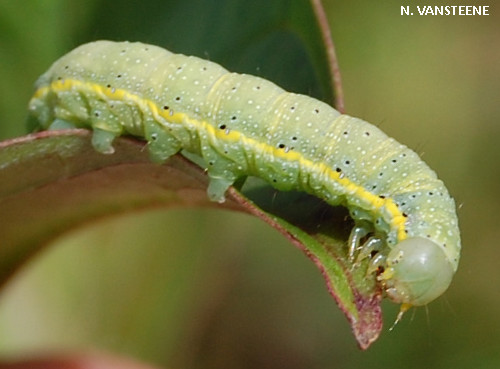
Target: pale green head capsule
[418,271]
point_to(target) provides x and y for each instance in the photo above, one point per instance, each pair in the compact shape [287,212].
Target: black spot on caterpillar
[244,125]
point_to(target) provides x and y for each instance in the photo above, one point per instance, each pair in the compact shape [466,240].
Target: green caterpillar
[243,125]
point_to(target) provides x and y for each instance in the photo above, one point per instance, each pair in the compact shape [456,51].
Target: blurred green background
[208,289]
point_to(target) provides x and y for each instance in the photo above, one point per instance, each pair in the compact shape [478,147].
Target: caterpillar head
[417,272]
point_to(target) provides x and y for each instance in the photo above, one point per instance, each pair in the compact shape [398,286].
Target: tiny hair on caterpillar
[242,125]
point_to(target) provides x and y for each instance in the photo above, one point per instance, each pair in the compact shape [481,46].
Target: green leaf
[54,181]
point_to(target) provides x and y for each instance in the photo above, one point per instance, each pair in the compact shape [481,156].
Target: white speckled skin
[245,125]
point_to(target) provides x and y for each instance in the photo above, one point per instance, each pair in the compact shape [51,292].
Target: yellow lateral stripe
[397,218]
